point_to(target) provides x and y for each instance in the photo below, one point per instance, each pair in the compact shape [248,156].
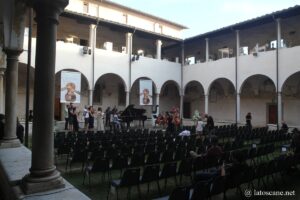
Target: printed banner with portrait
[146,92]
[70,87]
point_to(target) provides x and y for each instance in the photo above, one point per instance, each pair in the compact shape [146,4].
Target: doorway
[272,113]
[187,110]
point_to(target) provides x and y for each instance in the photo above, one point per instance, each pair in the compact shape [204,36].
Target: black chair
[180,193]
[99,165]
[218,186]
[150,174]
[167,156]
[185,168]
[76,156]
[153,158]
[137,159]
[119,163]
[131,177]
[169,170]
[200,191]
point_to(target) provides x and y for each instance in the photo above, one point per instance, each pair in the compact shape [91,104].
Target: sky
[201,16]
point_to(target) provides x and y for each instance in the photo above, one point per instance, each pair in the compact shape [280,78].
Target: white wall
[159,71]
[206,73]
[124,16]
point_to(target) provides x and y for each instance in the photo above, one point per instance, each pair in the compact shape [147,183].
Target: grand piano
[130,113]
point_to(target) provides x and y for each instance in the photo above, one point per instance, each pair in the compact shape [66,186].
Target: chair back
[180,193]
[130,177]
[151,173]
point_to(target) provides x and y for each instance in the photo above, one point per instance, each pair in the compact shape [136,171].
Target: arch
[84,93]
[113,74]
[221,100]
[169,96]
[83,73]
[258,96]
[110,90]
[170,82]
[291,99]
[193,98]
[192,82]
[21,92]
[145,77]
[291,81]
[74,70]
[260,76]
[222,79]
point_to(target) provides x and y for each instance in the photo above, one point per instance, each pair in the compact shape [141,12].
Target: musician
[176,120]
[116,121]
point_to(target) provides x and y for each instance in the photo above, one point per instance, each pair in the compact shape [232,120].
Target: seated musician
[116,121]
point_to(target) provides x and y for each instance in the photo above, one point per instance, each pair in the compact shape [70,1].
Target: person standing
[20,131]
[100,124]
[107,116]
[248,120]
[86,118]
[66,115]
[91,117]
[75,120]
[70,118]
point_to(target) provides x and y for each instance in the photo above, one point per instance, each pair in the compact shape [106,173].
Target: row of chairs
[261,173]
[151,173]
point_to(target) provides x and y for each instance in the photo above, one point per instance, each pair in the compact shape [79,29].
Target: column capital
[158,42]
[12,53]
[48,9]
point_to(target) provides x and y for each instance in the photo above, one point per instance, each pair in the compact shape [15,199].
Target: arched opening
[135,96]
[291,100]
[258,96]
[109,91]
[22,78]
[221,100]
[193,99]
[169,96]
[84,94]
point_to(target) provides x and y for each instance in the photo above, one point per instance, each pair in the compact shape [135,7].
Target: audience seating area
[142,157]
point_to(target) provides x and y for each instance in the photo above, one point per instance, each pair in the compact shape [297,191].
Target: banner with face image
[70,87]
[146,92]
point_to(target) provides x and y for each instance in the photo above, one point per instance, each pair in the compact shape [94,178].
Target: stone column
[278,90]
[127,98]
[206,104]
[206,49]
[128,43]
[279,108]
[238,117]
[91,97]
[157,102]
[181,105]
[238,108]
[1,90]
[10,137]
[43,174]
[278,30]
[92,35]
[158,49]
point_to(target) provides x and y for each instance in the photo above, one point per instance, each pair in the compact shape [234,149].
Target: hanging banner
[145,92]
[70,87]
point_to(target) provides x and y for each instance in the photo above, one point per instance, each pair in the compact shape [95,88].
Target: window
[85,7]
[83,42]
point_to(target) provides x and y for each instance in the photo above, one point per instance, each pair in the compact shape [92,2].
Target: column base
[32,185]
[12,143]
